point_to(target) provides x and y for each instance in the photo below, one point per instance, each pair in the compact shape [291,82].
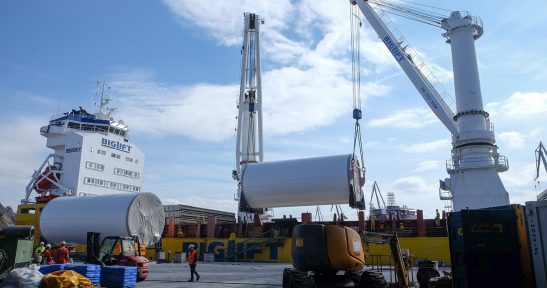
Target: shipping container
[536,218]
[484,246]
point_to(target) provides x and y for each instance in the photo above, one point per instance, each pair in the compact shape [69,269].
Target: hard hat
[48,246]
[191,246]
[41,243]
[63,243]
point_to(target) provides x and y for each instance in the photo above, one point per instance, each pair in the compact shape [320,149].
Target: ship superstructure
[391,211]
[92,155]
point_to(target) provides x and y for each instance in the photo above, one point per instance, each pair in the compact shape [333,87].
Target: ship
[391,211]
[92,155]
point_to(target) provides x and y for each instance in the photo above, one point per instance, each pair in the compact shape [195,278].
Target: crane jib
[429,98]
[393,48]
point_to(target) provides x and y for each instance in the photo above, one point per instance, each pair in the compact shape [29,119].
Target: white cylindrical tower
[474,166]
[70,218]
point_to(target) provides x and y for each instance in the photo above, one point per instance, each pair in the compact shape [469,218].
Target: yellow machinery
[320,252]
[29,214]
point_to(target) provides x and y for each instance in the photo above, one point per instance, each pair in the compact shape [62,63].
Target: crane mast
[249,147]
[473,168]
[541,156]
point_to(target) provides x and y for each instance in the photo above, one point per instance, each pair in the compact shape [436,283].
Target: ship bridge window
[102,128]
[87,127]
[74,125]
[122,133]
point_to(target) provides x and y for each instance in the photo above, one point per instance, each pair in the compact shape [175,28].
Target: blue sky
[174,71]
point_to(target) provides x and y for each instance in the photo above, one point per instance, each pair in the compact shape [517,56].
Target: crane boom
[249,147]
[422,84]
[475,163]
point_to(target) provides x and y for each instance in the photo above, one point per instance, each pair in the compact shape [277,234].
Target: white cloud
[202,111]
[413,118]
[207,112]
[411,185]
[521,105]
[512,139]
[427,146]
[21,154]
[291,104]
[518,182]
[223,19]
[375,89]
[427,166]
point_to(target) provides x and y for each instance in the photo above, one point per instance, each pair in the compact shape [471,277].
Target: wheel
[426,273]
[355,276]
[302,279]
[373,279]
[440,282]
[287,277]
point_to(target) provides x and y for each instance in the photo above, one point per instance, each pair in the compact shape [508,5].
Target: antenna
[104,99]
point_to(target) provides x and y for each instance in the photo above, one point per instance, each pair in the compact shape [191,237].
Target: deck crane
[376,193]
[541,157]
[475,163]
[249,147]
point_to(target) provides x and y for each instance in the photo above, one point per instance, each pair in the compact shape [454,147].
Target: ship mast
[102,108]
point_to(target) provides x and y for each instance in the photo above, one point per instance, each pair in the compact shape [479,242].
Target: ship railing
[499,161]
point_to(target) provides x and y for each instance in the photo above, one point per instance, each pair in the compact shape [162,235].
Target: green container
[484,248]
[15,253]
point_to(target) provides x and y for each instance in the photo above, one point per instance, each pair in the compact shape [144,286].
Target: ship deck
[236,274]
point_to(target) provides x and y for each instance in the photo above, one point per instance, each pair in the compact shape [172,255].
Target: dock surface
[171,275]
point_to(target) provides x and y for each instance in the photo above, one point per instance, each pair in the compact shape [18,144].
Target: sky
[174,68]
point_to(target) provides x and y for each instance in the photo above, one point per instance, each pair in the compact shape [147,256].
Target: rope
[404,9]
[355,22]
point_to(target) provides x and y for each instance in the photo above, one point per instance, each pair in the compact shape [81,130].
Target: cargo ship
[92,155]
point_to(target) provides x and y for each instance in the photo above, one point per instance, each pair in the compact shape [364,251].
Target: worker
[39,249]
[372,222]
[401,226]
[437,218]
[38,253]
[192,261]
[62,256]
[46,255]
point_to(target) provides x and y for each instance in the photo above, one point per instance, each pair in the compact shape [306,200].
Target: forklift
[118,250]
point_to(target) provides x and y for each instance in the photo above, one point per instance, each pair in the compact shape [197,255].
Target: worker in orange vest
[62,256]
[192,261]
[47,258]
